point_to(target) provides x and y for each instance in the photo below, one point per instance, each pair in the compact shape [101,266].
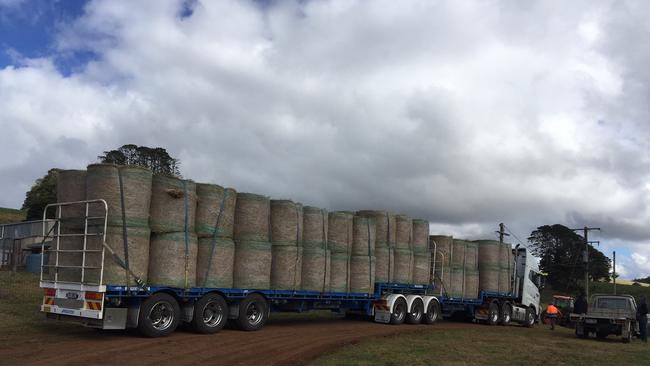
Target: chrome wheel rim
[253,314]
[212,314]
[433,314]
[416,313]
[506,314]
[399,311]
[161,315]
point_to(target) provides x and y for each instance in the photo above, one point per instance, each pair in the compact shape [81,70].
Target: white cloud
[534,114]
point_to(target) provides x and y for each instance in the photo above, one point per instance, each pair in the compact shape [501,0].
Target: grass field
[9,215]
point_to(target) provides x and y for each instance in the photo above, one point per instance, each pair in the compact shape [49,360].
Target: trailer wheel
[506,313]
[493,313]
[210,314]
[399,312]
[432,313]
[253,313]
[530,317]
[159,315]
[417,311]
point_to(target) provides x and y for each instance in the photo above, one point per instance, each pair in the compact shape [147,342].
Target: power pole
[614,273]
[586,231]
[502,232]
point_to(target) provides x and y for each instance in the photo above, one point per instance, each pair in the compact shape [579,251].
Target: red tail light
[94,296]
[50,292]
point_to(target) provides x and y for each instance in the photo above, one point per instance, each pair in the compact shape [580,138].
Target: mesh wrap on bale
[421,268]
[315,269]
[363,236]
[172,261]
[171,200]
[103,181]
[457,281]
[215,211]
[362,274]
[138,239]
[471,284]
[339,231]
[471,256]
[315,226]
[252,265]
[385,224]
[458,252]
[385,268]
[488,265]
[215,262]
[420,235]
[252,218]
[286,267]
[71,187]
[286,223]
[339,272]
[505,264]
[404,234]
[403,265]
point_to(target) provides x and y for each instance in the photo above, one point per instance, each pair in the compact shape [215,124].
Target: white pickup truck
[608,314]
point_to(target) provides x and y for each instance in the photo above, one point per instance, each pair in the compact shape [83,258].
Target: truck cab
[527,286]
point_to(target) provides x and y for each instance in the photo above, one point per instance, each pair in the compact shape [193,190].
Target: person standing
[642,317]
[581,305]
[552,314]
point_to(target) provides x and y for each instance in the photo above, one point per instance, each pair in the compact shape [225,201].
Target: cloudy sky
[465,113]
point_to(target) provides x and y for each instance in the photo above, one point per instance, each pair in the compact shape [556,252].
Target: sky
[464,113]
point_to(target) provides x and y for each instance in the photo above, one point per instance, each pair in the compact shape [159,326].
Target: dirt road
[281,342]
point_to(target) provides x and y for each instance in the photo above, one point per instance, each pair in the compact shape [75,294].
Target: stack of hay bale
[421,253]
[339,242]
[506,263]
[386,235]
[215,216]
[362,260]
[286,240]
[174,244]
[470,288]
[403,249]
[442,275]
[489,267]
[315,274]
[252,246]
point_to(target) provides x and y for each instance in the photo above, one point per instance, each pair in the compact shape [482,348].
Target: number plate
[72,295]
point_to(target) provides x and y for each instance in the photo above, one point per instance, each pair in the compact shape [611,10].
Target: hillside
[9,215]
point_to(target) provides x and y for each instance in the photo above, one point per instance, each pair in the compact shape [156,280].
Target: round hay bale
[286,226]
[404,235]
[286,267]
[471,284]
[506,262]
[504,280]
[339,272]
[252,218]
[315,269]
[172,261]
[457,281]
[363,236]
[385,269]
[71,187]
[103,182]
[339,231]
[403,265]
[422,268]
[215,211]
[173,204]
[420,235]
[215,262]
[252,264]
[386,226]
[138,243]
[458,252]
[314,234]
[488,265]
[67,259]
[442,244]
[471,256]
[362,274]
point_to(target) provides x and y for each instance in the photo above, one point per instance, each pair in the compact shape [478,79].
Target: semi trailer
[157,311]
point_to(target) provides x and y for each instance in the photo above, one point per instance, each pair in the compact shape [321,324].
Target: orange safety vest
[551,309]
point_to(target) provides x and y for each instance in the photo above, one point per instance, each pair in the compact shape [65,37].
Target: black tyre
[159,315]
[210,314]
[253,313]
[493,313]
[506,313]
[530,317]
[399,312]
[601,334]
[432,314]
[417,312]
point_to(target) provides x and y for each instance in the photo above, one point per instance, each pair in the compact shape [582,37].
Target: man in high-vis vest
[552,313]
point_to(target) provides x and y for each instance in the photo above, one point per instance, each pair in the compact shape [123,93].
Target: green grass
[10,215]
[485,345]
